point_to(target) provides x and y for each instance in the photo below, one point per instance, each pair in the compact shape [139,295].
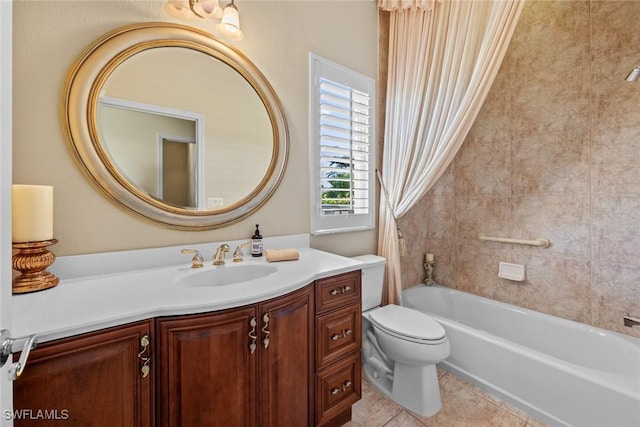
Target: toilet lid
[406,322]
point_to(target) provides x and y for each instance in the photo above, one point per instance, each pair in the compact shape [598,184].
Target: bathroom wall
[554,153]
[49,35]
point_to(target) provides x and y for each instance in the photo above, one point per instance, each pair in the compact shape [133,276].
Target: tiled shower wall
[554,153]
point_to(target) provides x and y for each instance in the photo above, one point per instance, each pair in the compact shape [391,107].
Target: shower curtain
[443,58]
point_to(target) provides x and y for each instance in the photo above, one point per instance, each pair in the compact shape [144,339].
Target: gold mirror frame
[86,79]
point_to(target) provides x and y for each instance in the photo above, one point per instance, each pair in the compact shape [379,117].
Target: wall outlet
[215,202]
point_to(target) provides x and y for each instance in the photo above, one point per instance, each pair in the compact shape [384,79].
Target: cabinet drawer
[338,387]
[337,291]
[338,334]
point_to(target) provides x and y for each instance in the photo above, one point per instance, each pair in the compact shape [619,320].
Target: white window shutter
[342,143]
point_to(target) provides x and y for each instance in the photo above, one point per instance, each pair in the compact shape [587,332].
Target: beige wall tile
[616,229]
[616,160]
[616,292]
[553,153]
[561,218]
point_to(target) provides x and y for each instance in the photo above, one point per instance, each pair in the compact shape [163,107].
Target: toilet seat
[408,324]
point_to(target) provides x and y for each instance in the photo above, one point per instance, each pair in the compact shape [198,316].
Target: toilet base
[415,388]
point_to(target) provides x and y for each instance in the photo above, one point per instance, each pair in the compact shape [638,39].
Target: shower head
[634,75]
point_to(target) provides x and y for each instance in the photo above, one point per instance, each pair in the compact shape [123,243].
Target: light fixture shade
[229,26]
[178,9]
[209,9]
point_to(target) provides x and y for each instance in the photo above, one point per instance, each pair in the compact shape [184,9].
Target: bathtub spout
[631,321]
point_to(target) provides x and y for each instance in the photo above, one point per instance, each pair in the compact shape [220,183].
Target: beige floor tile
[404,419]
[500,403]
[464,405]
[374,409]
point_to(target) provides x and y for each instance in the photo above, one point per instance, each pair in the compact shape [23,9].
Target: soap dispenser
[256,243]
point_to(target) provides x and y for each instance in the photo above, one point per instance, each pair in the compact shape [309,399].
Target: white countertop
[90,303]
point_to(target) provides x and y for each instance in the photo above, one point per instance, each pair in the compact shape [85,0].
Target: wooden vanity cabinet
[93,380]
[208,374]
[289,361]
[338,347]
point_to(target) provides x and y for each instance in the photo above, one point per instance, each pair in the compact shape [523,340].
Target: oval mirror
[175,125]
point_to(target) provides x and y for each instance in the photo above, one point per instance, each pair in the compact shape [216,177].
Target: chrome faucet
[631,321]
[197,261]
[218,258]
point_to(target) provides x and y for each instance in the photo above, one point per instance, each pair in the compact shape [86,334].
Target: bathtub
[559,371]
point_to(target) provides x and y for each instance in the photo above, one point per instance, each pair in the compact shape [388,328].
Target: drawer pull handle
[345,386]
[145,342]
[252,335]
[345,332]
[340,291]
[265,330]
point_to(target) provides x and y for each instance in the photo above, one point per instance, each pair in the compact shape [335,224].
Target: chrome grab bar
[6,350]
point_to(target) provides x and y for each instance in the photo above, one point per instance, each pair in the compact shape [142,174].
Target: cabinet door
[206,371]
[286,364]
[90,380]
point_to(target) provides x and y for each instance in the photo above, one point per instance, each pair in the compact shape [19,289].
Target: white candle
[429,258]
[32,210]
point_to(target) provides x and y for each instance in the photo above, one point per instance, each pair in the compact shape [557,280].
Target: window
[342,144]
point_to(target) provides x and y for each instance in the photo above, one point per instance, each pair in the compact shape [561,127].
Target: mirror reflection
[185,128]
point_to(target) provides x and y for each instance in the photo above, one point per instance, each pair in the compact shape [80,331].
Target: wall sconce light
[188,10]
[229,26]
[634,75]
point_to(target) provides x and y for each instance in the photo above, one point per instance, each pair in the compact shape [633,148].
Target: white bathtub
[559,371]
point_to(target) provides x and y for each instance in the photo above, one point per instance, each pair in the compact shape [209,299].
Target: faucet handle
[197,261]
[238,254]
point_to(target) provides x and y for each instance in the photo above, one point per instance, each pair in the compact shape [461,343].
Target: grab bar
[631,321]
[541,242]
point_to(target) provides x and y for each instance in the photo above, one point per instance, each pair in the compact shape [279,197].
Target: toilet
[400,346]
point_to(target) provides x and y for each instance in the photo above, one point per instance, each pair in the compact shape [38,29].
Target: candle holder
[428,270]
[32,261]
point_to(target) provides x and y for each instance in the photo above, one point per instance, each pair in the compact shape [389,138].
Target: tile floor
[463,405]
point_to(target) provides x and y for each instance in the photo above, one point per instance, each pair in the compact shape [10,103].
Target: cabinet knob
[335,391]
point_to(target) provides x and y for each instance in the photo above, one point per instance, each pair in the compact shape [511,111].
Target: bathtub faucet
[631,321]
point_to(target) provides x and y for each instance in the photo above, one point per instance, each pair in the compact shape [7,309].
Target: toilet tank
[372,280]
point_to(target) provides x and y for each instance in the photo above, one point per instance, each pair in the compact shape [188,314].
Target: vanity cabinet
[96,379]
[289,361]
[241,367]
[338,347]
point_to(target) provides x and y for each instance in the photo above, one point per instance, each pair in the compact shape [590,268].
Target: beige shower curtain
[443,58]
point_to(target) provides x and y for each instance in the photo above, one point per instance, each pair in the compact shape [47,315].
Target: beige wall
[554,153]
[48,35]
